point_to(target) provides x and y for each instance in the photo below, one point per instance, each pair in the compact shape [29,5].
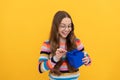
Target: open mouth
[65,34]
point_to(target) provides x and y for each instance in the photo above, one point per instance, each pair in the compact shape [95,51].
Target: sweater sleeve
[81,48]
[79,45]
[45,62]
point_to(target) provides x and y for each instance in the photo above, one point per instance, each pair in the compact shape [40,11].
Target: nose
[67,29]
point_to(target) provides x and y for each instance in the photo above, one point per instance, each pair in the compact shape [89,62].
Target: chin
[64,36]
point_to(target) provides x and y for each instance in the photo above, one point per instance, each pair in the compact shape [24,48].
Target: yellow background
[25,24]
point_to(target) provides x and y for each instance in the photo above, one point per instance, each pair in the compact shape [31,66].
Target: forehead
[66,20]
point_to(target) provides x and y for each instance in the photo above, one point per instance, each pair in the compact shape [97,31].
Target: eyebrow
[65,24]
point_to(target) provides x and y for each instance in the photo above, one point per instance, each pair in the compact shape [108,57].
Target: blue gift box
[75,57]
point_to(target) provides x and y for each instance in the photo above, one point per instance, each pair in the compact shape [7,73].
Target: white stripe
[45,49]
[70,76]
[42,66]
[43,57]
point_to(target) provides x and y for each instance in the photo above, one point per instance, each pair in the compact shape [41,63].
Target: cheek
[60,30]
[70,30]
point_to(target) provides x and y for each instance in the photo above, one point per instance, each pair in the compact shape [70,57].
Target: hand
[59,53]
[86,60]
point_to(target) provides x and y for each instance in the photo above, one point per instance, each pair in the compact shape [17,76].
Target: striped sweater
[46,62]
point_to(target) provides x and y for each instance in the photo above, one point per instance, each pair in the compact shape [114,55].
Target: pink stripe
[80,47]
[45,51]
[63,69]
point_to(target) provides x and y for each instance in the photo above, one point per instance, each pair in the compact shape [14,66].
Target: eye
[69,25]
[62,25]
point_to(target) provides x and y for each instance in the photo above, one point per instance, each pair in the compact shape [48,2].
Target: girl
[53,51]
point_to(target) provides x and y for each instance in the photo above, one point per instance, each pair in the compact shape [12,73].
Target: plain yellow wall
[25,24]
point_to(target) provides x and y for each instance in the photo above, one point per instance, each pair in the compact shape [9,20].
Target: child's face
[65,27]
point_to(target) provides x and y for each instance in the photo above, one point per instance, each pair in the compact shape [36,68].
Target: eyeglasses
[64,26]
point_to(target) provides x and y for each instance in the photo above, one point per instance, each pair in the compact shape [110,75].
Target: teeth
[65,33]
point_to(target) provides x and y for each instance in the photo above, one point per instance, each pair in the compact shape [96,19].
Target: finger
[86,61]
[62,50]
[84,58]
[57,52]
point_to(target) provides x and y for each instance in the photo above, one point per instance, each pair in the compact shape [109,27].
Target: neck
[63,40]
